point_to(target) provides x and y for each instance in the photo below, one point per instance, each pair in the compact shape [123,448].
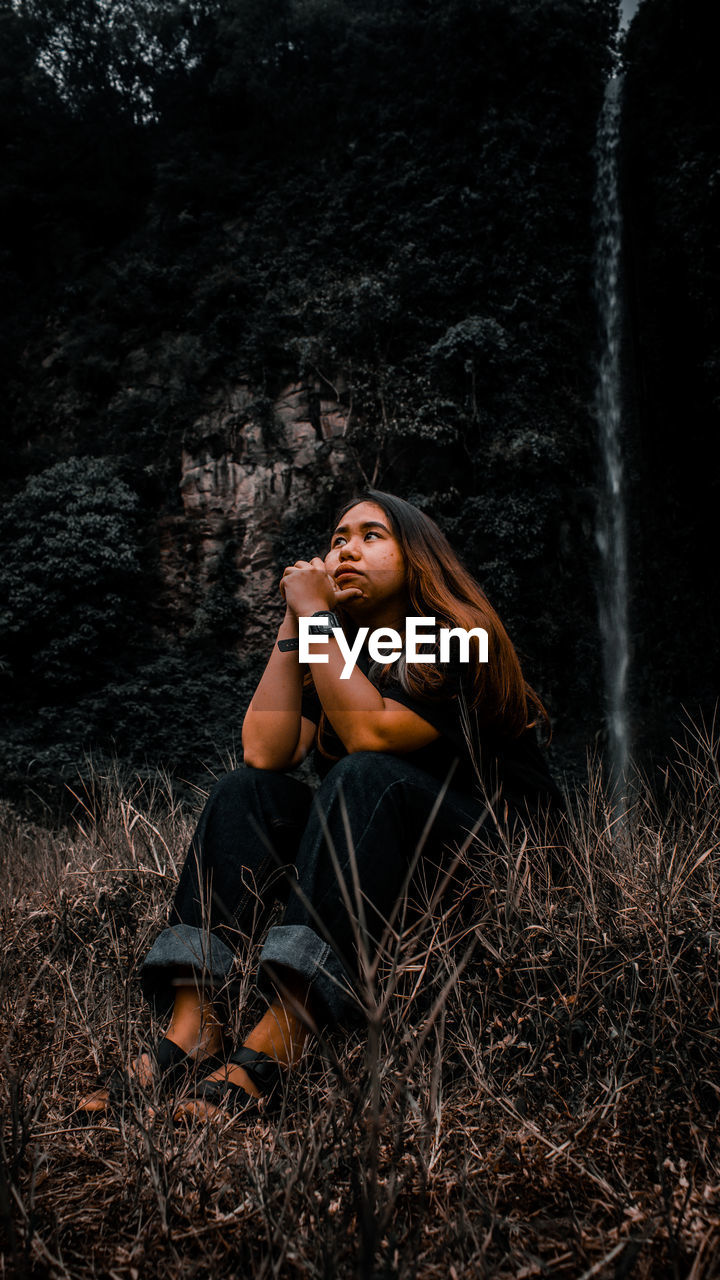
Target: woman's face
[365,553]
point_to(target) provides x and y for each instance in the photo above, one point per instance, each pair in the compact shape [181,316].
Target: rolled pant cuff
[179,948]
[299,948]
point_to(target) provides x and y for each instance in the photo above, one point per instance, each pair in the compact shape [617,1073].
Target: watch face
[332,621]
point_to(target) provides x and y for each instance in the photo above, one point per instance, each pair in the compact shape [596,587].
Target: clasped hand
[307,587]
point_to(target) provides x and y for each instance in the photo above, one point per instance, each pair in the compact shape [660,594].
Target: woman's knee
[246,783]
[271,797]
[366,776]
[362,766]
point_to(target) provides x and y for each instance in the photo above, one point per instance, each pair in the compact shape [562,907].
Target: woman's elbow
[256,753]
[365,742]
[257,759]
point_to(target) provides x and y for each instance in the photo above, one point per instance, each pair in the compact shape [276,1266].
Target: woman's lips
[347,573]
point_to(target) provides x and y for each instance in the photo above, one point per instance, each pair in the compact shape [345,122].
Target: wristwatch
[332,622]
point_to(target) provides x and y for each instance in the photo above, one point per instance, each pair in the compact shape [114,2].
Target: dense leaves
[68,574]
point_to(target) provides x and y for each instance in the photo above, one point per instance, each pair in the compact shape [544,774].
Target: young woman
[408,751]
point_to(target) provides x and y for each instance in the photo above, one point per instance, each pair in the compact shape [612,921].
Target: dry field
[534,1092]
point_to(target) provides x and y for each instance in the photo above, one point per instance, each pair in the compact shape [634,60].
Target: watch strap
[288,645]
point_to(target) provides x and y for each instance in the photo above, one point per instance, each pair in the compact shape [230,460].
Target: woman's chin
[355,606]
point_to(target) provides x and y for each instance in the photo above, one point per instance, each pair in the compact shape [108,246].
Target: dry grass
[535,1092]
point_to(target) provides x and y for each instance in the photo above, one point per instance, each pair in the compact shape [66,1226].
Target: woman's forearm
[355,707]
[271,728]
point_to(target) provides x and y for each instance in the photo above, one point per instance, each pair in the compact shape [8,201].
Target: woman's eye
[340,539]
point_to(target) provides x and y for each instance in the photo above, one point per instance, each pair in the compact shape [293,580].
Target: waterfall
[611,533]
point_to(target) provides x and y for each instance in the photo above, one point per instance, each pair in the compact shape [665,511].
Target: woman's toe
[195,1109]
[98,1100]
[228,1084]
[237,1076]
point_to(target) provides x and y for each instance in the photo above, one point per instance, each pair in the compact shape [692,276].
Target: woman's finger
[299,564]
[349,593]
[289,569]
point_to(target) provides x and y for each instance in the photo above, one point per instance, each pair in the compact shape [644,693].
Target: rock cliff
[240,483]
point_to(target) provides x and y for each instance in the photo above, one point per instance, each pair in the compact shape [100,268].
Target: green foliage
[182,709]
[107,58]
[357,214]
[302,537]
[393,199]
[220,617]
[69,572]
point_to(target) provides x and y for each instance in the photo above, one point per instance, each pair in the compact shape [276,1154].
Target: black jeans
[340,857]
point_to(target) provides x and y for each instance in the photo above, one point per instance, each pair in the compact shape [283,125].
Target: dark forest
[303,246]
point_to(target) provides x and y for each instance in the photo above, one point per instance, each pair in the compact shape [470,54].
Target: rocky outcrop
[240,480]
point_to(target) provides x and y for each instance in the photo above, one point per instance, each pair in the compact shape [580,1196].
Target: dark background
[213,195]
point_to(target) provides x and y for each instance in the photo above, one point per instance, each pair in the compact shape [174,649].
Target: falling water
[611,532]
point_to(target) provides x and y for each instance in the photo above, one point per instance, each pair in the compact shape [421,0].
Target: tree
[69,575]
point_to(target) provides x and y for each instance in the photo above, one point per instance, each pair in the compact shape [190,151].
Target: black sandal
[175,1068]
[266,1074]
[178,1068]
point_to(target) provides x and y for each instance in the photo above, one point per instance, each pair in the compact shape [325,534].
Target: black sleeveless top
[516,766]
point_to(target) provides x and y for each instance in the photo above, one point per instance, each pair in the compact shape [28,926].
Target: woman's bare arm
[362,719]
[274,735]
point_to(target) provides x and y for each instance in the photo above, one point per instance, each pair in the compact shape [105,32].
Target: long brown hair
[440,586]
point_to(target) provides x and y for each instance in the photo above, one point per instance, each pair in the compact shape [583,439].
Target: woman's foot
[140,1073]
[195,1034]
[278,1037]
